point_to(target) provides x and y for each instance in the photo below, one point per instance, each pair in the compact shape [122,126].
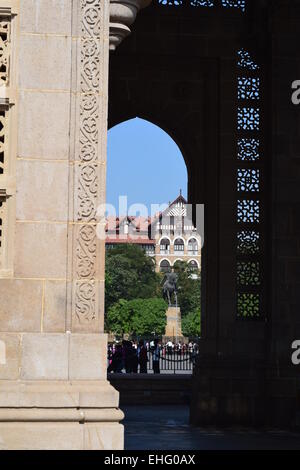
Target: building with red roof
[168,237]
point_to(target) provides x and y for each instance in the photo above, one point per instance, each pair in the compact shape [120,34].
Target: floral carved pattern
[4,50]
[2,217]
[86,301]
[91,18]
[3,130]
[90,60]
[88,169]
[86,252]
[88,166]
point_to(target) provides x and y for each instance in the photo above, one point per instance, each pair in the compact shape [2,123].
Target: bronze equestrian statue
[170,287]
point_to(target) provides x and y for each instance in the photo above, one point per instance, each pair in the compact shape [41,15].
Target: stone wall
[150,389]
[52,289]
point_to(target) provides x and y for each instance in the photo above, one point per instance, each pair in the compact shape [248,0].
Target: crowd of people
[133,356]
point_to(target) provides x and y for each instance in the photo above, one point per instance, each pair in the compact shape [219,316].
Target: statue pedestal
[173,327]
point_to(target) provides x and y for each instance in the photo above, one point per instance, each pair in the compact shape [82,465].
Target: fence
[172,360]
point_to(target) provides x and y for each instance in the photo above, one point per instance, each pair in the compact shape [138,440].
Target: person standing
[134,359]
[170,347]
[143,357]
[156,357]
[116,364]
[127,356]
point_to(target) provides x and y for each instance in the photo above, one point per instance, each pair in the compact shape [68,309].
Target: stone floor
[167,428]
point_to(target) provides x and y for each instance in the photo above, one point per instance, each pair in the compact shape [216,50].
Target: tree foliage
[191,324]
[133,291]
[189,288]
[130,274]
[137,317]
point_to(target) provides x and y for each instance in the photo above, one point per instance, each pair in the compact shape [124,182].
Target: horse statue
[170,287]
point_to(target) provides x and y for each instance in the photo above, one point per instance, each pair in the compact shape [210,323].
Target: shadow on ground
[167,428]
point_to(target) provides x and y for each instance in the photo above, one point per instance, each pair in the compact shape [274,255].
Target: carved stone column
[122,15]
[54,392]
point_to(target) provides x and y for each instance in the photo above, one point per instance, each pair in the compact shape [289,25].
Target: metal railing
[171,360]
[174,361]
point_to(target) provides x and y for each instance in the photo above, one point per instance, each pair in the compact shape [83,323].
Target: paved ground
[166,428]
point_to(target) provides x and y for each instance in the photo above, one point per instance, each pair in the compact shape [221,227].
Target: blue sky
[144,163]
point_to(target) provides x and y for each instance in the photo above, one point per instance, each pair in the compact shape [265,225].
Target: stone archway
[177,71]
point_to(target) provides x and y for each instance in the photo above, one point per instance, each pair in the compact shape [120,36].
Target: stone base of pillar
[78,415]
[229,392]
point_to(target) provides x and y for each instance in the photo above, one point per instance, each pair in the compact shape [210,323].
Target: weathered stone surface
[42,191]
[61,436]
[21,305]
[58,394]
[44,357]
[88,357]
[10,356]
[103,436]
[41,436]
[51,17]
[60,415]
[41,57]
[41,250]
[55,308]
[43,133]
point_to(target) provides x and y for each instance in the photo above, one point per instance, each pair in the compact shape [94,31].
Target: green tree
[189,288]
[118,318]
[191,324]
[140,317]
[130,274]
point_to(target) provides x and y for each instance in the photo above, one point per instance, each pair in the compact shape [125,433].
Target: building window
[193,265]
[193,247]
[110,246]
[179,246]
[165,246]
[165,266]
[149,249]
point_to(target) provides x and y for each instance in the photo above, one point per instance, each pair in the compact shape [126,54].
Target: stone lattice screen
[249,203]
[240,4]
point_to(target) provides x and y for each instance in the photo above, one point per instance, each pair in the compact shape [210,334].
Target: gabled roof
[179,199]
[143,223]
[177,208]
